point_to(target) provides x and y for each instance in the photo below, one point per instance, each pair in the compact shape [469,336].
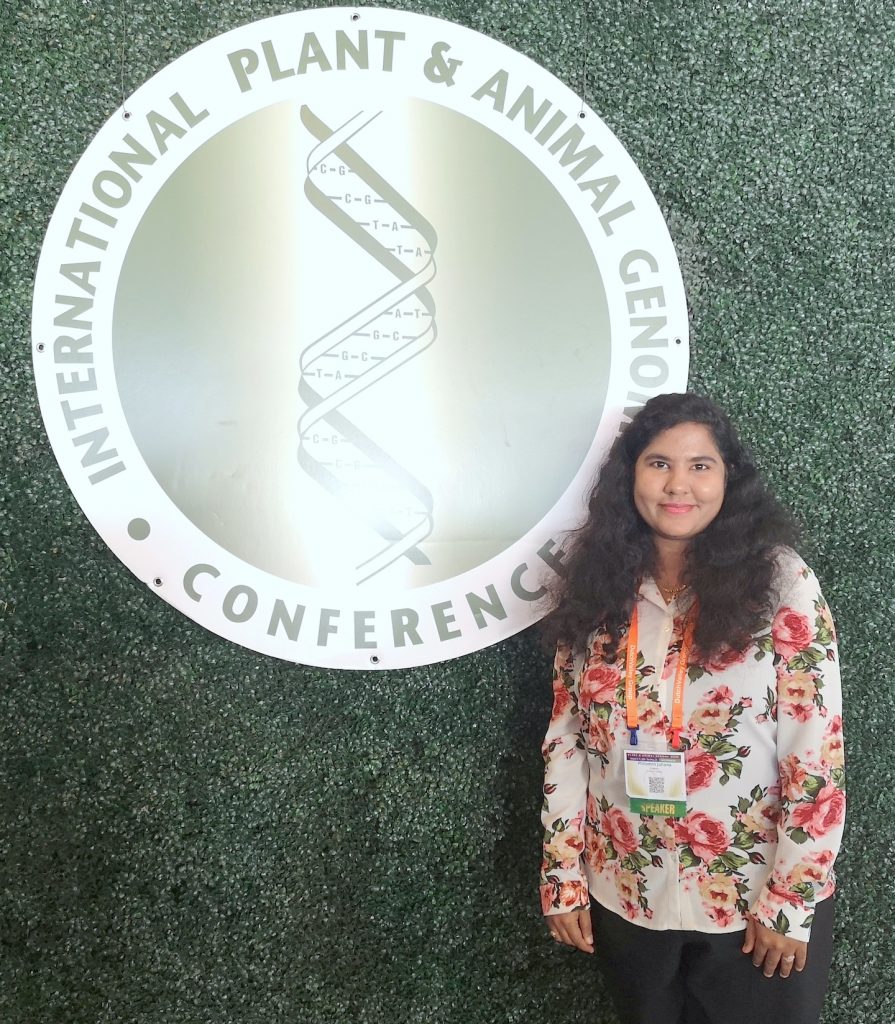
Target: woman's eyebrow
[668,458]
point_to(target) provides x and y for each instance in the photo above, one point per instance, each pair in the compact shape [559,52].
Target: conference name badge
[656,782]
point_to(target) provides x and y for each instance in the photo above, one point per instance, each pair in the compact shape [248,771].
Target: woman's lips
[677,510]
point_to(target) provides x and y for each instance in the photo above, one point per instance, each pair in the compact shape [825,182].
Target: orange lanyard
[632,714]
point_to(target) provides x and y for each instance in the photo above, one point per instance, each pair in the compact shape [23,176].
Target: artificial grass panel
[193,833]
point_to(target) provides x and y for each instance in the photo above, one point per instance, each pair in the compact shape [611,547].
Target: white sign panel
[333,323]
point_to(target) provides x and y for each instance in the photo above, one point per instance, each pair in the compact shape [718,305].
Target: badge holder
[656,782]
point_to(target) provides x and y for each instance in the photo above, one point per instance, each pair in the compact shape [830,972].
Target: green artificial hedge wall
[191,832]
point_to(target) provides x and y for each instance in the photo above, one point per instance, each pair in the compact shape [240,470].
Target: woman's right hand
[573,929]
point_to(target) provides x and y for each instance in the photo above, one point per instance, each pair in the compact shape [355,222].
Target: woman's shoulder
[790,569]
[788,561]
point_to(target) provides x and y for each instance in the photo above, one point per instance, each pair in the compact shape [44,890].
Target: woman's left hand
[769,950]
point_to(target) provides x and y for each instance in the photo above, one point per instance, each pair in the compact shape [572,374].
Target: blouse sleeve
[811,759]
[563,883]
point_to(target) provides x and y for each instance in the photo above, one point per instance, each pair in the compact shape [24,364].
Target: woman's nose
[676,481]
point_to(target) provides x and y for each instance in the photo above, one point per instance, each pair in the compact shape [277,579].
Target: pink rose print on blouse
[592,810]
[796,692]
[796,687]
[673,656]
[719,898]
[718,695]
[814,870]
[600,735]
[595,850]
[562,700]
[599,684]
[652,717]
[706,836]
[775,899]
[701,769]
[660,830]
[792,632]
[761,818]
[547,894]
[565,658]
[629,894]
[823,814]
[710,719]
[567,895]
[800,712]
[724,659]
[614,824]
[832,751]
[793,776]
[827,621]
[570,895]
[565,847]
[599,645]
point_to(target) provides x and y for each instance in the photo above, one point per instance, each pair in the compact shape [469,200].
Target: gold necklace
[670,593]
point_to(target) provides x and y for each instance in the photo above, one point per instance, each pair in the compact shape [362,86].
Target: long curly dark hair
[729,566]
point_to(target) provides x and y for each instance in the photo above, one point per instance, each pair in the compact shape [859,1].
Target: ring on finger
[788,959]
[555,936]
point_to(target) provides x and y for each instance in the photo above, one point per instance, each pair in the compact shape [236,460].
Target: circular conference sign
[333,323]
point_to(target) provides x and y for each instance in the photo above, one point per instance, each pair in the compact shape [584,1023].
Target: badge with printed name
[656,782]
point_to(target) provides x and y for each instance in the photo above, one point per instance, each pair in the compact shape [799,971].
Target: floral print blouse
[764,764]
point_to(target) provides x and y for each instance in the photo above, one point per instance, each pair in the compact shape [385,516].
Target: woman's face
[679,481]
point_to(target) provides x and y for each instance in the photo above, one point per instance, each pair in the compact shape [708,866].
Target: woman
[694,797]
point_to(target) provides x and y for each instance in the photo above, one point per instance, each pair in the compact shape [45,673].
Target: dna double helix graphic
[370,344]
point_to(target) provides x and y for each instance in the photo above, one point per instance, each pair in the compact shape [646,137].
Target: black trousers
[683,977]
